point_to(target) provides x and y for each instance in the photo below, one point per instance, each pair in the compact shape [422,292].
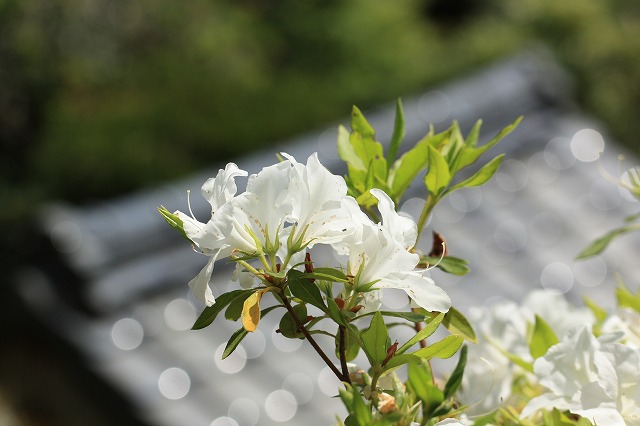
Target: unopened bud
[386,403]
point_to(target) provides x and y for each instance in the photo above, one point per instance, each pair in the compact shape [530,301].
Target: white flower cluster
[597,378]
[289,207]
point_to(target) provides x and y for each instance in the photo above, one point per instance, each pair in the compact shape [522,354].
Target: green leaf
[347,152]
[401,359]
[241,333]
[304,289]
[420,383]
[409,316]
[450,264]
[438,175]
[397,136]
[210,313]
[174,221]
[601,243]
[457,323]
[375,340]
[470,154]
[626,299]
[288,326]
[426,331]
[455,379]
[480,177]
[359,411]
[542,338]
[405,170]
[445,348]
[600,313]
[234,311]
[360,125]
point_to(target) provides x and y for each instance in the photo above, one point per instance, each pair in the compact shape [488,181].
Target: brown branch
[343,353]
[311,340]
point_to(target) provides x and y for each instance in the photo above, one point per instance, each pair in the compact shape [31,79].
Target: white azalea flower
[383,261]
[594,378]
[283,199]
[626,321]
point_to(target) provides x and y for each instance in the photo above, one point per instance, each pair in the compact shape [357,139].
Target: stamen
[444,250]
[189,203]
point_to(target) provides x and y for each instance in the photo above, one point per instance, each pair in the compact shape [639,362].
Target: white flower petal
[402,228]
[222,188]
[200,284]
[421,289]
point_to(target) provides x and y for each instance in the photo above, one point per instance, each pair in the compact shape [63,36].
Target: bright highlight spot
[557,277]
[179,315]
[127,334]
[174,383]
[281,405]
[587,145]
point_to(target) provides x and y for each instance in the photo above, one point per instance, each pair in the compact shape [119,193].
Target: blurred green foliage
[98,97]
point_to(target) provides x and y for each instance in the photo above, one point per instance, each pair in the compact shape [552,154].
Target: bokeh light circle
[281,405]
[127,334]
[557,277]
[174,383]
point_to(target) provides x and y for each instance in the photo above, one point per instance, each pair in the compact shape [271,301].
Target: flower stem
[313,343]
[342,335]
[429,203]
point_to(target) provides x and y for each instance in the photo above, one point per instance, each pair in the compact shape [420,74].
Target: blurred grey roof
[519,232]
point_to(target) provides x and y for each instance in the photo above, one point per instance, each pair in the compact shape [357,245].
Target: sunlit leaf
[438,175]
[426,331]
[601,243]
[445,348]
[251,311]
[542,338]
[234,311]
[480,177]
[457,323]
[397,135]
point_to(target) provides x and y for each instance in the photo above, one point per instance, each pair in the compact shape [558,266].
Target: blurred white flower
[626,321]
[595,378]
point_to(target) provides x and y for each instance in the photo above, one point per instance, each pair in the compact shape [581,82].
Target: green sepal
[174,221]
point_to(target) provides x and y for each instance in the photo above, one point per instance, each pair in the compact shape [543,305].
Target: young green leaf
[397,136]
[601,243]
[445,348]
[426,331]
[626,299]
[210,313]
[457,323]
[480,177]
[375,339]
[470,154]
[438,175]
[420,383]
[599,313]
[542,338]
